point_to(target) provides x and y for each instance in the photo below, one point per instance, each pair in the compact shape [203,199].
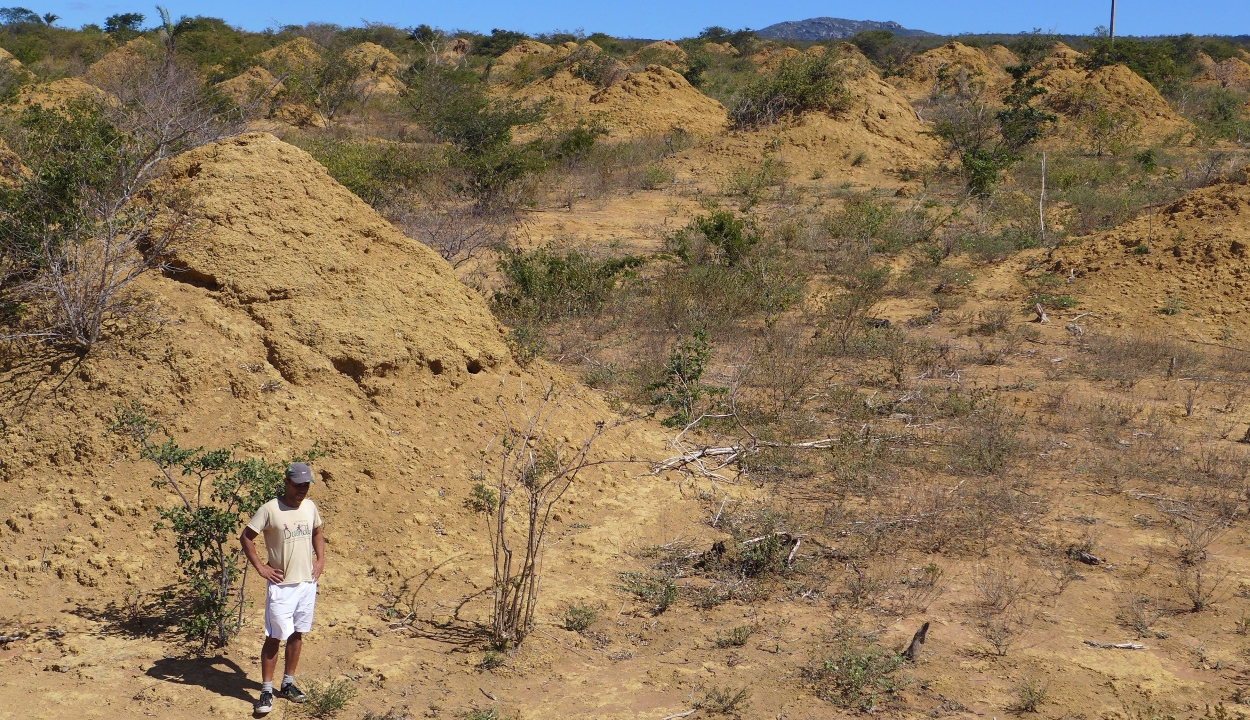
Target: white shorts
[289,609]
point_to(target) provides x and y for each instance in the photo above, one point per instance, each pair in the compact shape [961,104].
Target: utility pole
[1112,31]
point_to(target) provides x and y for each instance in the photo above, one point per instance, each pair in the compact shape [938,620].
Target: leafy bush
[877,224]
[377,173]
[857,675]
[681,386]
[544,285]
[1155,60]
[716,239]
[579,617]
[805,82]
[658,590]
[220,494]
[498,42]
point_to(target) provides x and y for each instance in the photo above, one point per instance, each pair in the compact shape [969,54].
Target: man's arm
[273,575]
[319,547]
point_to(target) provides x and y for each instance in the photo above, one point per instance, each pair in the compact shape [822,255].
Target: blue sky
[681,18]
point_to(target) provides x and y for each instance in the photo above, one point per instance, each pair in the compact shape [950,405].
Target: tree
[123,26]
[19,16]
[49,18]
[216,493]
[87,220]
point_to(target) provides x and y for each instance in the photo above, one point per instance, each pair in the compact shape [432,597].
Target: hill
[828,28]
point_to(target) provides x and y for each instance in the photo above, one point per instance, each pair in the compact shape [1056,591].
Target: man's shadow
[216,674]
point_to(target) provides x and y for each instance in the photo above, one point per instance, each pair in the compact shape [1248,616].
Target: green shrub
[579,617]
[737,637]
[498,42]
[326,699]
[716,239]
[680,387]
[1030,694]
[801,83]
[857,675]
[544,285]
[377,173]
[658,590]
[655,176]
[877,224]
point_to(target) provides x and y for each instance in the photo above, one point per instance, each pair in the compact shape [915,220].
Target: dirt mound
[653,101]
[720,49]
[116,61]
[302,316]
[1233,73]
[250,86]
[286,241]
[7,60]
[662,52]
[1001,56]
[298,54]
[59,92]
[1063,57]
[921,73]
[878,137]
[1184,265]
[1113,88]
[521,51]
[382,66]
[11,166]
[771,58]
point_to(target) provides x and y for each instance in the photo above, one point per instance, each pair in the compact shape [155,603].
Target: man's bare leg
[294,644]
[269,657]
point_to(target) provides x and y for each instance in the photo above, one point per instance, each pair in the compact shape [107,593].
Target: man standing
[292,529]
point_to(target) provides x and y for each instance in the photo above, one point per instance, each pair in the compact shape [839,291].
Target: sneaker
[265,704]
[292,693]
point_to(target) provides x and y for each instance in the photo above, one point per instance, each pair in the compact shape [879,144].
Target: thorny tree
[531,472]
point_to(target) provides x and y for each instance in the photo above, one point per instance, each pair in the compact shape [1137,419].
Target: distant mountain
[827,28]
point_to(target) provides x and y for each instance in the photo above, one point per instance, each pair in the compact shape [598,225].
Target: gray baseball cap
[299,473]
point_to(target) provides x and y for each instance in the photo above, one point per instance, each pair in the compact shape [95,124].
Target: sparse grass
[857,675]
[657,590]
[327,698]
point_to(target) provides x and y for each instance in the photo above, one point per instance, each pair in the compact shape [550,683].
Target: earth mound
[335,287]
[720,49]
[878,135]
[7,60]
[381,66]
[299,316]
[920,73]
[1185,264]
[298,54]
[662,52]
[1001,56]
[1113,88]
[1233,73]
[250,86]
[650,102]
[59,92]
[117,61]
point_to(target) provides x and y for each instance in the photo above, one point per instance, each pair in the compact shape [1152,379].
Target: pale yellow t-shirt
[288,535]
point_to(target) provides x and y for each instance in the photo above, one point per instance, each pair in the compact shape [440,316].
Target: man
[292,529]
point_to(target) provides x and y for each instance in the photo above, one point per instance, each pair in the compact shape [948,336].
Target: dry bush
[1202,583]
[1127,360]
[989,440]
[1139,612]
[457,233]
[1000,615]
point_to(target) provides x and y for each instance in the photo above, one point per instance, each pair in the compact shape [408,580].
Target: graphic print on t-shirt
[296,531]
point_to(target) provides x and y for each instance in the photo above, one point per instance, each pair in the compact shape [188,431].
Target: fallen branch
[1115,646]
[688,713]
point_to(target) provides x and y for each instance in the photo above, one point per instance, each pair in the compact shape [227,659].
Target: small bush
[579,617]
[378,174]
[800,83]
[658,590]
[1030,694]
[736,637]
[544,285]
[857,675]
[326,699]
[490,714]
[725,702]
[719,238]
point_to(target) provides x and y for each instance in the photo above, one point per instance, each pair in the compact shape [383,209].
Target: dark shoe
[265,704]
[292,693]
